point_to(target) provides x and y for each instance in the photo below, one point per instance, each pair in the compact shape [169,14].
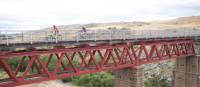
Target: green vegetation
[153,82]
[102,79]
[7,49]
[197,43]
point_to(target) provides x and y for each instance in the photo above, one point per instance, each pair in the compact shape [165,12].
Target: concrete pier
[129,77]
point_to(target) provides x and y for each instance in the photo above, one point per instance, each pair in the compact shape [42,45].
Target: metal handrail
[12,37]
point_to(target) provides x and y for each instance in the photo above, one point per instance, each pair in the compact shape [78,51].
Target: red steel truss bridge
[35,64]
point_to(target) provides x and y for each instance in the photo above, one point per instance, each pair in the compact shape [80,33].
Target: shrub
[101,79]
[152,82]
[7,49]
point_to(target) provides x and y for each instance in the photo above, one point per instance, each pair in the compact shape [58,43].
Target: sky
[35,14]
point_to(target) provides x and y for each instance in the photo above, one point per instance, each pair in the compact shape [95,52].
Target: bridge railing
[31,37]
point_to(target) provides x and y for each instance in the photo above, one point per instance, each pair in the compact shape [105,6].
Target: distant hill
[191,20]
[182,22]
[105,25]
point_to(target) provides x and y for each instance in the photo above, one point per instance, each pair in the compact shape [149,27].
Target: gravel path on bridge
[57,83]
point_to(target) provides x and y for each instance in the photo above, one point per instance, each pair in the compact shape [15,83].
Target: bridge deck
[44,38]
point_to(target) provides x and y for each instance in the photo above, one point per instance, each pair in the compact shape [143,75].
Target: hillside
[182,22]
[191,20]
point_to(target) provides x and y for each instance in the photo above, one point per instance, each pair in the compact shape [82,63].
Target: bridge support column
[186,73]
[129,77]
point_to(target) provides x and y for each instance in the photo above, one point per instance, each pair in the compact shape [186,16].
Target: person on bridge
[54,34]
[83,29]
[55,29]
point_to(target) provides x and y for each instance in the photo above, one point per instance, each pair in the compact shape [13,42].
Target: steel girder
[42,65]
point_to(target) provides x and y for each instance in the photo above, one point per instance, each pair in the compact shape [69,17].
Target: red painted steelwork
[60,63]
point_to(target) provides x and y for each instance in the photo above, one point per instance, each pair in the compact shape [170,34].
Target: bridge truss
[57,63]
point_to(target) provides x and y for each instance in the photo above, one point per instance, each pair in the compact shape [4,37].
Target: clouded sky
[32,14]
